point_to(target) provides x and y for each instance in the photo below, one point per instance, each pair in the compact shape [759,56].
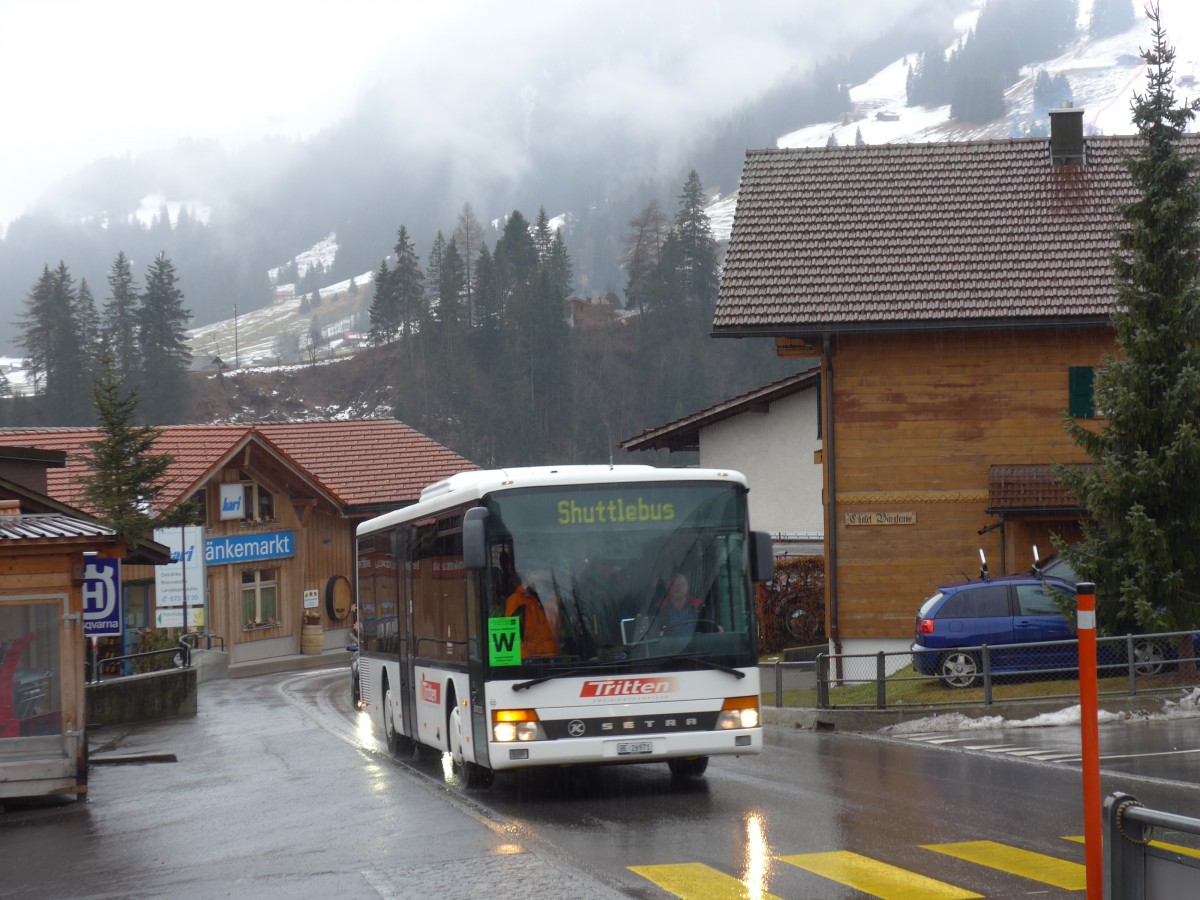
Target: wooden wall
[918,420]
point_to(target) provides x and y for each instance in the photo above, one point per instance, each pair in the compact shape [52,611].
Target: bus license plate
[634,748]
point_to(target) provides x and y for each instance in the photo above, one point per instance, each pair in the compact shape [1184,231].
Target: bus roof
[466,486]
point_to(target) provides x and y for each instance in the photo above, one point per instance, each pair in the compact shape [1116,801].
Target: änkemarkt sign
[881,518]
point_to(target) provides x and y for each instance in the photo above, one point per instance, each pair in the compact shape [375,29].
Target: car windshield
[605,575]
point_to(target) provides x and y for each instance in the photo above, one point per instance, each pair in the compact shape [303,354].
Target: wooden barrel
[312,639]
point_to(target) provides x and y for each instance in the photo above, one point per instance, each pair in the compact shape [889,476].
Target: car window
[1036,600]
[923,612]
[977,603]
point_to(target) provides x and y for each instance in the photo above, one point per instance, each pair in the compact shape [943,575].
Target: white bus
[562,615]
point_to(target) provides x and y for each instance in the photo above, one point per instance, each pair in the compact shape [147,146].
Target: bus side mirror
[762,557]
[474,538]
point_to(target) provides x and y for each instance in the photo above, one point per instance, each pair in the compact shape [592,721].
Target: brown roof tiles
[890,236]
[360,464]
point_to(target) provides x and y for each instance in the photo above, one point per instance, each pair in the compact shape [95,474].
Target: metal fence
[1138,867]
[1129,664]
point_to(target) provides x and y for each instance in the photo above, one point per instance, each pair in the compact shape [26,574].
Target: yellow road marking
[879,879]
[1174,848]
[1035,866]
[696,881]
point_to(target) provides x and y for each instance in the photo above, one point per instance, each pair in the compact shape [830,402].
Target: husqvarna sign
[233,501]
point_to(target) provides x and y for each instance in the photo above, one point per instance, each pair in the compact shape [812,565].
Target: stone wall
[142,698]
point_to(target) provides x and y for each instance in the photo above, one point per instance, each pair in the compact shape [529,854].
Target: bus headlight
[510,725]
[739,712]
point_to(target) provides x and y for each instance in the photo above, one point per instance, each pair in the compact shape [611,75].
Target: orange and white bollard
[1089,729]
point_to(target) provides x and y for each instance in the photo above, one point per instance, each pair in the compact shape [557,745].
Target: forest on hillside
[481,346]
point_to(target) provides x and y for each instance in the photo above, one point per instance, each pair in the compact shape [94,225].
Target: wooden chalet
[957,297]
[280,503]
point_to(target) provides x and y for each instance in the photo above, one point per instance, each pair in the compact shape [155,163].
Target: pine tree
[126,478]
[1141,544]
[54,345]
[385,307]
[120,319]
[698,248]
[163,344]
[409,284]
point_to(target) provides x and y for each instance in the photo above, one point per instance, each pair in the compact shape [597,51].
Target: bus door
[402,554]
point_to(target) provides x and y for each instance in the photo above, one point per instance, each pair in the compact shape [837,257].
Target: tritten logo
[627,687]
[431,691]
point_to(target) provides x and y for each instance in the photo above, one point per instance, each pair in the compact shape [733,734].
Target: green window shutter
[1082,404]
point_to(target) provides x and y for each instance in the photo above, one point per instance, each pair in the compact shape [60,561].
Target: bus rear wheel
[688,768]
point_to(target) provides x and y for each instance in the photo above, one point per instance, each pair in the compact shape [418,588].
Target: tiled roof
[684,433]
[367,461]
[360,463]
[1028,488]
[891,236]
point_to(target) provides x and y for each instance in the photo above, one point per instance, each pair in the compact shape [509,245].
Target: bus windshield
[617,575]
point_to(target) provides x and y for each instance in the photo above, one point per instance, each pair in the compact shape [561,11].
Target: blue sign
[101,597]
[249,547]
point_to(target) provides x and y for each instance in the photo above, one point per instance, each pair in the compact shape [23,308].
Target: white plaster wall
[774,450]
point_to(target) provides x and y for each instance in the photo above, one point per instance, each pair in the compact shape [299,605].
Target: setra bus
[561,615]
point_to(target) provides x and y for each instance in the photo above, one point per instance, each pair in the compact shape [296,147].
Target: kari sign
[233,501]
[186,570]
[101,597]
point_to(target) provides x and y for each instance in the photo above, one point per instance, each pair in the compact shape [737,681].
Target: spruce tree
[698,248]
[54,344]
[163,344]
[1141,544]
[385,307]
[120,318]
[1111,17]
[409,284]
[125,477]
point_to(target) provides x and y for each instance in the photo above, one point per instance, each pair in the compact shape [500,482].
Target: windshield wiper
[720,667]
[524,685]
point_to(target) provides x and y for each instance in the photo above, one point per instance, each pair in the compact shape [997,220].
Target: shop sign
[101,597]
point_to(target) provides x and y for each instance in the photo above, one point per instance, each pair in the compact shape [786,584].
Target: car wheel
[1147,659]
[355,693]
[958,669]
[688,768]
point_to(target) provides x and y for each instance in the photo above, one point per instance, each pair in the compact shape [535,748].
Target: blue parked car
[1018,609]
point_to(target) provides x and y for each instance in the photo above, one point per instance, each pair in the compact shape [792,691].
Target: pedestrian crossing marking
[879,879]
[1050,870]
[696,881]
[1163,845]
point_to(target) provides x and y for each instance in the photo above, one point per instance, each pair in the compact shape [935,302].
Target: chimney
[1066,136]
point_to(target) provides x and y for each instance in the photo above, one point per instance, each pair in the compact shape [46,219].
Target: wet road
[282,789]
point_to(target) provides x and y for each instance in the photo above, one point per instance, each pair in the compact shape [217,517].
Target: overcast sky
[86,79]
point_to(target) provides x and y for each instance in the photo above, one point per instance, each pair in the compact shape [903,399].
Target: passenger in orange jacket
[539,620]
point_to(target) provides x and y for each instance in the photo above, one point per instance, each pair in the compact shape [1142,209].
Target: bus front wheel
[473,774]
[688,768]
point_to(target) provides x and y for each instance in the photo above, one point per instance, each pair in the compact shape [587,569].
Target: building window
[1082,393]
[260,503]
[260,592]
